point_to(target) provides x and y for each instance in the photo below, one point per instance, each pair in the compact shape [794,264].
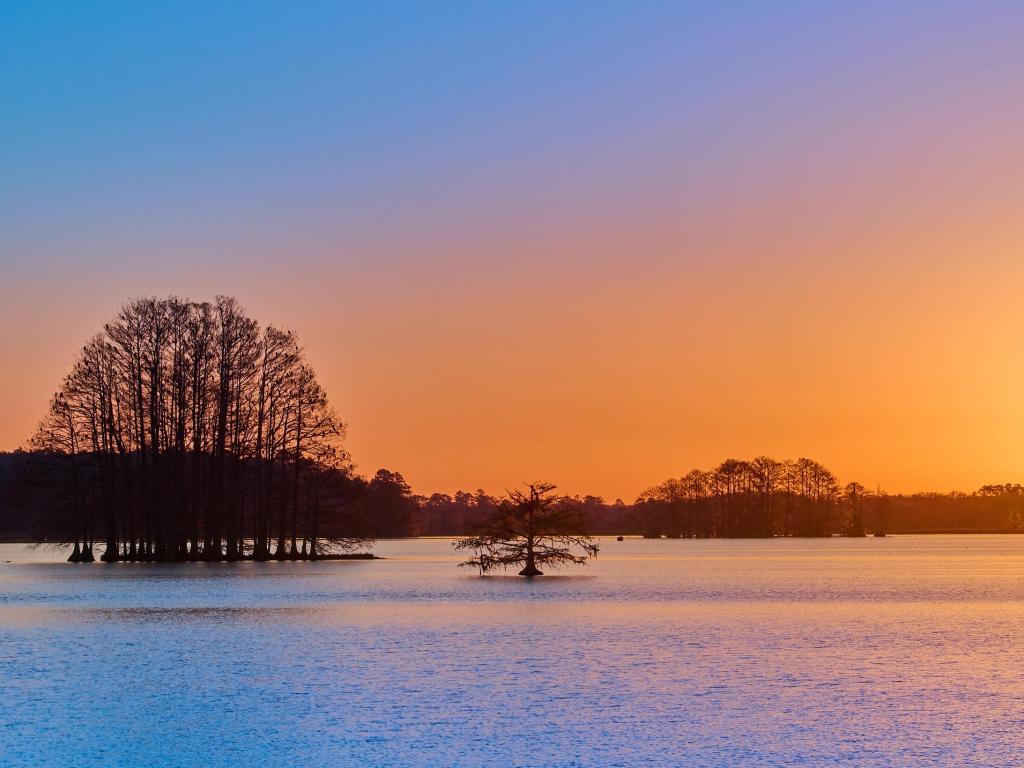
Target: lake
[905,651]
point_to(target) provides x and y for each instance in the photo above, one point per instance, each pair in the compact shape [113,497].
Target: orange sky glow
[821,261]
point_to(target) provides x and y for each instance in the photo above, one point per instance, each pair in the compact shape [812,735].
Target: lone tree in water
[531,529]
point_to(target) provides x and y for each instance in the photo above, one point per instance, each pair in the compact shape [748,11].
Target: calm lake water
[907,651]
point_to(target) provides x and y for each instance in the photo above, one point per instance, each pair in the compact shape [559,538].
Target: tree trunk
[531,566]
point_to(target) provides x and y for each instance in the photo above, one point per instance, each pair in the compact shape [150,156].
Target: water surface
[904,651]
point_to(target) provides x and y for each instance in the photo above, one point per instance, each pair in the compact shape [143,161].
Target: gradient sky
[596,243]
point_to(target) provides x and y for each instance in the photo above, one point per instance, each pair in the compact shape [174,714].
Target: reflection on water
[898,652]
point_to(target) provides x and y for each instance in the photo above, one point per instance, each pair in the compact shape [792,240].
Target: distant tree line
[765,497]
[758,498]
[36,503]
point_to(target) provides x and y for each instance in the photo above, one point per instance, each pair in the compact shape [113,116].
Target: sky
[593,243]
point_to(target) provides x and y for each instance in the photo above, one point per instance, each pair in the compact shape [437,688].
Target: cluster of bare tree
[185,431]
[762,497]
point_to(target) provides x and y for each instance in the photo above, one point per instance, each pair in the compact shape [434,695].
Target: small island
[187,432]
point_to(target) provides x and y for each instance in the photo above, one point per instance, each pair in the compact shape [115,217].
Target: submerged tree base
[531,570]
[145,555]
[244,558]
[81,554]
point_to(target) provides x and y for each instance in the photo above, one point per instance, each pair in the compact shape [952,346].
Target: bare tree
[188,434]
[530,529]
[854,495]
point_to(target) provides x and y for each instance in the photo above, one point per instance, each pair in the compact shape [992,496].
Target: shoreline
[626,536]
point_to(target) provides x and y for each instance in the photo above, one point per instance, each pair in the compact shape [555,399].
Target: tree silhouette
[185,432]
[759,498]
[532,529]
[854,495]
